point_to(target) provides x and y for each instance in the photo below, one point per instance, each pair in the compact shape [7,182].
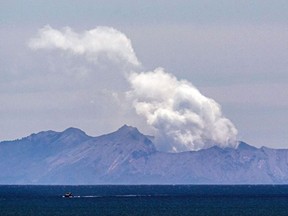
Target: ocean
[145,200]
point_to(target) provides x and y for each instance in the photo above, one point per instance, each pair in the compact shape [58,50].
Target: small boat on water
[68,195]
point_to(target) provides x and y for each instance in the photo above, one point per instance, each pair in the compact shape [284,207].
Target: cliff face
[129,157]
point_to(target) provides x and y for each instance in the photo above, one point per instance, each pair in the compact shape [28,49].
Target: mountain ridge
[126,156]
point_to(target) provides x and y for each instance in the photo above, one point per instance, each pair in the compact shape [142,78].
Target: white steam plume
[182,118]
[95,43]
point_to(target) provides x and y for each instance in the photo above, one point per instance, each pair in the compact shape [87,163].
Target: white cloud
[95,43]
[182,117]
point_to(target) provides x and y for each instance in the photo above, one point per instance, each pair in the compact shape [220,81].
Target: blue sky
[233,51]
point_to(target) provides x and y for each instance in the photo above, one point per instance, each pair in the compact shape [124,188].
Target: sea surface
[198,200]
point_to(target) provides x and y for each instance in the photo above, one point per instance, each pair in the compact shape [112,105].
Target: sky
[234,52]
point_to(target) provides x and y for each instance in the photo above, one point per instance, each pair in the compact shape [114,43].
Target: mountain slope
[128,157]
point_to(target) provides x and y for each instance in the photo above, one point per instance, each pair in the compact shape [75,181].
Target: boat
[68,195]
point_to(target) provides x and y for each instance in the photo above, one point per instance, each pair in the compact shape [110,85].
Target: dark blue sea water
[198,200]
